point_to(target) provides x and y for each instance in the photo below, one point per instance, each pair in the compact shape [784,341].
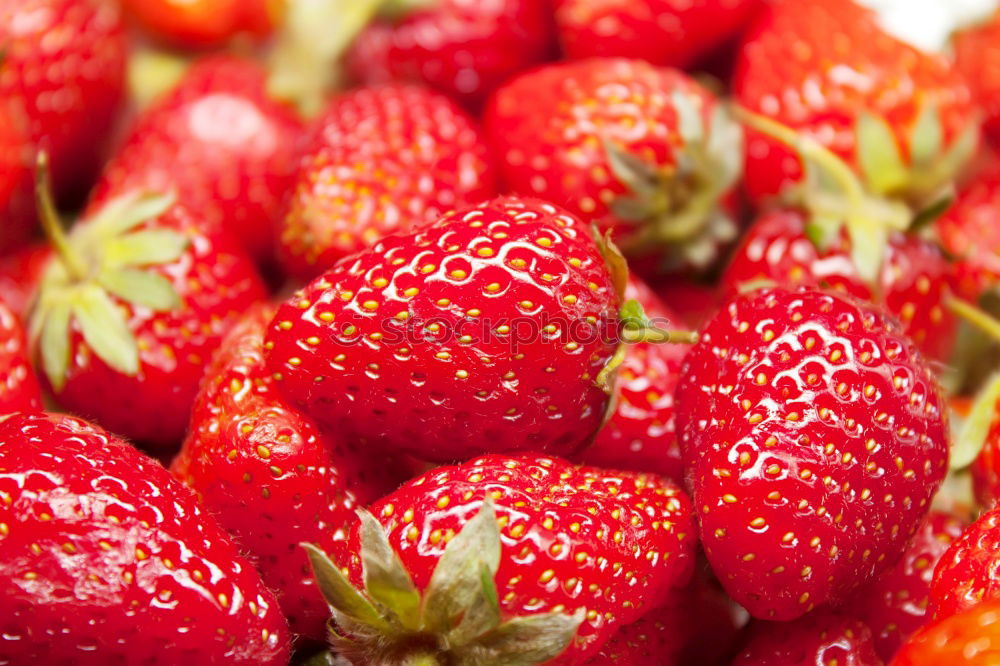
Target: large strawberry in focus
[977,58]
[485,331]
[507,561]
[226,149]
[19,389]
[664,32]
[105,558]
[63,69]
[381,159]
[269,475]
[971,638]
[130,309]
[822,637]
[903,118]
[813,441]
[644,151]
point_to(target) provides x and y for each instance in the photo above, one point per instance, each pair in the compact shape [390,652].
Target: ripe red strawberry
[19,273]
[16,205]
[664,32]
[643,151]
[464,48]
[107,559]
[63,67]
[977,57]
[970,230]
[381,159]
[221,145]
[902,117]
[204,23]
[416,343]
[967,572]
[971,638]
[895,605]
[19,389]
[269,475]
[813,439]
[559,556]
[915,280]
[640,434]
[136,303]
[823,637]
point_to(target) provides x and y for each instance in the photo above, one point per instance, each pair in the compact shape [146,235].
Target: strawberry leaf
[526,641]
[386,580]
[689,122]
[633,172]
[105,329]
[878,155]
[126,212]
[617,265]
[339,592]
[144,288]
[55,322]
[926,137]
[976,426]
[868,246]
[143,248]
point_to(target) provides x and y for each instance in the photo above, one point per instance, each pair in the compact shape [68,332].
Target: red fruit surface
[895,606]
[19,389]
[269,475]
[970,229]
[816,65]
[64,67]
[977,57]
[640,435]
[822,637]
[203,23]
[969,572]
[481,332]
[985,469]
[16,204]
[664,32]
[551,129]
[221,144]
[19,274]
[916,279]
[108,559]
[562,530]
[971,638]
[380,160]
[813,439]
[464,48]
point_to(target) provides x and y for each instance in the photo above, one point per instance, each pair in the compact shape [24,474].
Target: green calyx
[103,257]
[677,208]
[456,621]
[970,434]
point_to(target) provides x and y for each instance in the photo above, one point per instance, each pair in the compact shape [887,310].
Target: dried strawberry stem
[976,316]
[51,223]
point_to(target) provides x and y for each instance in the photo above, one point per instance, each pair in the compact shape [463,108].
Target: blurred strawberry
[196,24]
[664,32]
[977,57]
[19,389]
[19,275]
[16,204]
[381,159]
[970,230]
[822,637]
[221,145]
[971,638]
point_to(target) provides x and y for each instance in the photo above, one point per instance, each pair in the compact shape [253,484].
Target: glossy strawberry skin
[822,637]
[381,159]
[985,469]
[916,279]
[216,281]
[663,32]
[815,65]
[971,638]
[218,141]
[269,475]
[413,344]
[895,606]
[562,530]
[108,559]
[967,572]
[970,230]
[64,66]
[19,390]
[813,440]
[464,48]
[641,435]
[977,57]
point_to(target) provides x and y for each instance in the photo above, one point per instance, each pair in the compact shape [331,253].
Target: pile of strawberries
[497,332]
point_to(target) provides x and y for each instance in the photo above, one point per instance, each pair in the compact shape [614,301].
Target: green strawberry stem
[51,223]
[972,434]
[976,316]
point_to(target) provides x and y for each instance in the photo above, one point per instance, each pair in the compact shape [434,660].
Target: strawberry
[416,342]
[813,440]
[915,281]
[970,230]
[19,389]
[221,144]
[971,638]
[903,118]
[664,32]
[823,637]
[966,573]
[138,299]
[63,67]
[381,159]
[204,23]
[643,151]
[269,475]
[464,48]
[640,433]
[977,58]
[16,205]
[895,606]
[19,273]
[107,559]
[551,563]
